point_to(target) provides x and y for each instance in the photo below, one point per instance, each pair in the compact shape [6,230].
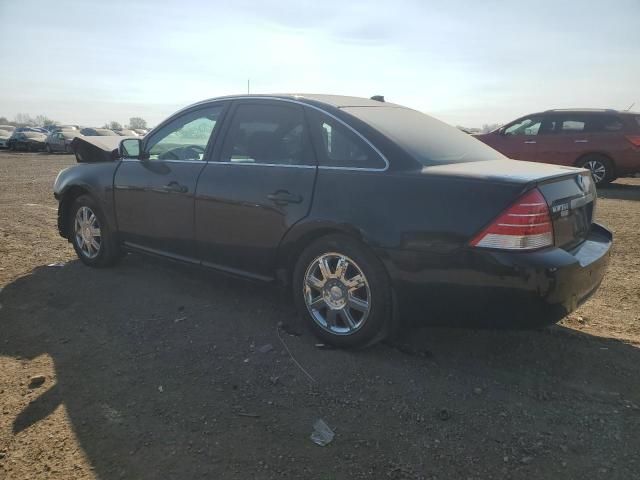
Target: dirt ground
[154,370]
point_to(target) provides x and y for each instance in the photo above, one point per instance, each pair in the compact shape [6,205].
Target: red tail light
[525,225]
[634,139]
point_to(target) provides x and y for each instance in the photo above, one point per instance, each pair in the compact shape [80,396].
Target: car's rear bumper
[491,288]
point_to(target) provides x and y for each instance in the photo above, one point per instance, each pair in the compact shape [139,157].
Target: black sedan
[29,141]
[371,213]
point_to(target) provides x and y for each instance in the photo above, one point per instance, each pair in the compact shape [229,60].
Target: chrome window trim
[130,160]
[298,102]
[253,164]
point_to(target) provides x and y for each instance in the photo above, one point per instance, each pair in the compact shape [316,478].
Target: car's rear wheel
[90,234]
[600,166]
[343,293]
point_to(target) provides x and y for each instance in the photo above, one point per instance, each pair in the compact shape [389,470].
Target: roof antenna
[378,98]
[630,107]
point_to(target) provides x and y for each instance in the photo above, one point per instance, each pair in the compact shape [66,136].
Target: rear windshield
[33,135]
[428,140]
[103,132]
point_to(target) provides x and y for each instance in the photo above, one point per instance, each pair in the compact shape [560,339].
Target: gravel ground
[154,370]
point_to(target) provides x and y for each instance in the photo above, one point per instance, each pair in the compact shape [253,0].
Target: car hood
[501,171]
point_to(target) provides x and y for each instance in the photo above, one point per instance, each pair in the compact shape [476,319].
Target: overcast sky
[466,62]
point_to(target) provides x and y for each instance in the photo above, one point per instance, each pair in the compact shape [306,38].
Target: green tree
[137,122]
[113,125]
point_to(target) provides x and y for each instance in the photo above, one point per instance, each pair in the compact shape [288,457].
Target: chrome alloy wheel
[598,170]
[337,294]
[87,232]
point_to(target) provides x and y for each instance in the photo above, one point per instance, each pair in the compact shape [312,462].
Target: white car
[5,134]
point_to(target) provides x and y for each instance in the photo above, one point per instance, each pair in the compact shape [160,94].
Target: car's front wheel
[343,293]
[90,234]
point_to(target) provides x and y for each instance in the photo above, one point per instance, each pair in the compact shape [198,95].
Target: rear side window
[572,126]
[340,147]
[590,124]
[609,123]
[268,134]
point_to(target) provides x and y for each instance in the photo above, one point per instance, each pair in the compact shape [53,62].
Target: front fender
[95,179]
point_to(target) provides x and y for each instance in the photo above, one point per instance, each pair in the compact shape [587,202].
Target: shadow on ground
[620,191]
[161,373]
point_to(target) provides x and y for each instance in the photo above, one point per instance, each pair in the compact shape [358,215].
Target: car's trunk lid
[569,192]
[571,202]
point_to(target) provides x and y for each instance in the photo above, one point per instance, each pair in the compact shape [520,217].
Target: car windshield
[428,140]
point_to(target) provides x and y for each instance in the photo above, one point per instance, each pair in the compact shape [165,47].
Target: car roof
[337,101]
[588,110]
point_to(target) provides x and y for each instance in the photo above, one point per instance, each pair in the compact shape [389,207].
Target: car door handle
[581,141]
[282,197]
[175,187]
[530,141]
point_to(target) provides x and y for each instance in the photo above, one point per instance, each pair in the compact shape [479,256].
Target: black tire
[109,251]
[378,322]
[67,149]
[600,166]
[48,149]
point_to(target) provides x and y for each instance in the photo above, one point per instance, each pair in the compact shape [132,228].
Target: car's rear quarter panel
[409,211]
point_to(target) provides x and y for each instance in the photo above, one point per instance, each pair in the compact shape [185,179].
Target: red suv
[605,141]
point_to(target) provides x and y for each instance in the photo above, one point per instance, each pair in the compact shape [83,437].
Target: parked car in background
[607,142]
[98,132]
[125,132]
[58,128]
[361,207]
[5,134]
[60,141]
[29,141]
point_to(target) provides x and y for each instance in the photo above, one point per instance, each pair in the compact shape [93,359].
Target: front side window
[267,134]
[526,126]
[339,146]
[186,137]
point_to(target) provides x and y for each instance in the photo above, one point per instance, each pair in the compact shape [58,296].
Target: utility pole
[248,85]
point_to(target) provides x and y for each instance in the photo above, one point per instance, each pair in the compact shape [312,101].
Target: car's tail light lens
[525,225]
[634,139]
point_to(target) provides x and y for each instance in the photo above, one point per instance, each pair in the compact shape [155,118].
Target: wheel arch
[64,207]
[608,157]
[300,237]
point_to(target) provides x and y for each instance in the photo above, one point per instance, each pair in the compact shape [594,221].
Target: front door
[520,139]
[259,186]
[154,196]
[59,141]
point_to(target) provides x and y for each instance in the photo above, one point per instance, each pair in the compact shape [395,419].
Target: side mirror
[130,148]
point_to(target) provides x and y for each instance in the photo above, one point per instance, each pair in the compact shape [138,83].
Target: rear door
[573,137]
[260,184]
[154,197]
